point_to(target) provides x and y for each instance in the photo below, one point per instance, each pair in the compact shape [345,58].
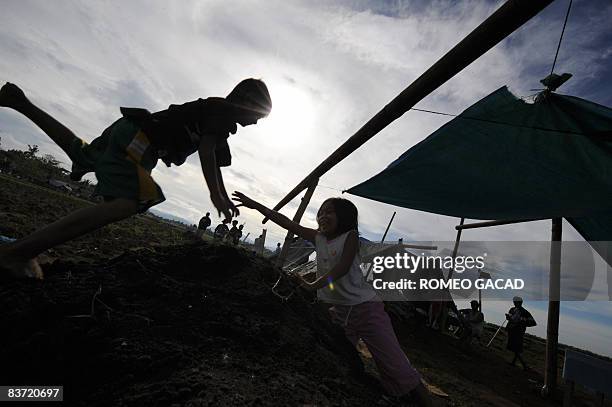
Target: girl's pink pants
[370,322]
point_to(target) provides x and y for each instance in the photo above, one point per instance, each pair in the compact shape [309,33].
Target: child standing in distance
[238,235]
[126,152]
[204,223]
[231,235]
[340,283]
[221,230]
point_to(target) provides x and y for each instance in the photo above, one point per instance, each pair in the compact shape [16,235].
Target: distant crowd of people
[232,235]
[222,231]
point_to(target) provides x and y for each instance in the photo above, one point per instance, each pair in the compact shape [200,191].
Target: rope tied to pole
[569,7]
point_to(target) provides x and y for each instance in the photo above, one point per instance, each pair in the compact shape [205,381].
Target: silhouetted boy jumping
[126,152]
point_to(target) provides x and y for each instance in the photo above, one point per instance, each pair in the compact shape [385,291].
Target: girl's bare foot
[422,396]
[12,96]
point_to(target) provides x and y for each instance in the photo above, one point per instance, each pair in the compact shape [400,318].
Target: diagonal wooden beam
[296,218]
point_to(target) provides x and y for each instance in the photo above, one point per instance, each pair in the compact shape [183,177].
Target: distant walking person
[124,155]
[278,249]
[519,319]
[204,224]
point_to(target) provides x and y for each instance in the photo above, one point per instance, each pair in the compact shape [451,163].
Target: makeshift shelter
[504,158]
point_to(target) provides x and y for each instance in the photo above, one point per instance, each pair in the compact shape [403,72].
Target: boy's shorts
[122,159]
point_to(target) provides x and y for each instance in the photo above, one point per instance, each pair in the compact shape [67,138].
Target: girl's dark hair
[346,213]
[252,95]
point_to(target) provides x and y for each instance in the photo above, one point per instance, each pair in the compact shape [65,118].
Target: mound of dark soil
[188,325]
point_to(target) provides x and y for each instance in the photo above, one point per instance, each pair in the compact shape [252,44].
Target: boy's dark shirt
[166,129]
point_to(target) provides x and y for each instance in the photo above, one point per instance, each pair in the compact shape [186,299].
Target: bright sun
[292,118]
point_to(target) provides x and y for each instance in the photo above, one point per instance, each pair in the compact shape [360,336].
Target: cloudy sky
[329,65]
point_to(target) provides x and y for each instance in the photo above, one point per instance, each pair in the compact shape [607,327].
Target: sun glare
[292,118]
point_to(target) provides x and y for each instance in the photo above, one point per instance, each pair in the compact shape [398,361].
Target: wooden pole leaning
[444,318]
[495,223]
[296,218]
[456,247]
[510,16]
[554,297]
[388,226]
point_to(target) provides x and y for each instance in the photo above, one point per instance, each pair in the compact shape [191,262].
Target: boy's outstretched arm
[279,219]
[224,192]
[208,161]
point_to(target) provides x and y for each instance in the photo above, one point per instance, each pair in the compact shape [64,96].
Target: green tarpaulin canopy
[504,158]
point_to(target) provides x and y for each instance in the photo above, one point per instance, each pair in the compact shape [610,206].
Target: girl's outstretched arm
[279,219]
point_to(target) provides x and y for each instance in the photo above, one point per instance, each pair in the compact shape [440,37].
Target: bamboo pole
[494,223]
[419,246]
[498,26]
[450,275]
[296,218]
[456,248]
[388,226]
[486,276]
[554,297]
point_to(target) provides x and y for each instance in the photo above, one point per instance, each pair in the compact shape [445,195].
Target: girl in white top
[341,283]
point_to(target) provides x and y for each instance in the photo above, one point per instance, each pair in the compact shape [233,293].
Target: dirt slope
[193,325]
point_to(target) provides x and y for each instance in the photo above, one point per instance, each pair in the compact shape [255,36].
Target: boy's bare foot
[14,269]
[19,270]
[12,96]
